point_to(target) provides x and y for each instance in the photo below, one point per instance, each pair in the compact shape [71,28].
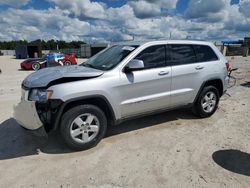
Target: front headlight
[40,95]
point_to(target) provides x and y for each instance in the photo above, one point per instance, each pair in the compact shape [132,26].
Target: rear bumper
[226,83]
[26,115]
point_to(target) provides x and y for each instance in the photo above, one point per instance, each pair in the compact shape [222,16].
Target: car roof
[140,43]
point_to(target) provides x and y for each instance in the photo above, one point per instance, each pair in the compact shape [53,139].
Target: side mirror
[134,64]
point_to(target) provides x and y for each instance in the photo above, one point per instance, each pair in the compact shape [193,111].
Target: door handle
[162,73]
[199,67]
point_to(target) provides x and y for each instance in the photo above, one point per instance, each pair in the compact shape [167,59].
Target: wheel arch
[67,60]
[97,100]
[216,82]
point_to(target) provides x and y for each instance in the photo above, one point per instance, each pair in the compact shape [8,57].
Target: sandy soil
[172,149]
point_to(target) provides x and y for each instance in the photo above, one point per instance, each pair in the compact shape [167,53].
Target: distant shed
[235,47]
[88,50]
[96,48]
[28,51]
[228,42]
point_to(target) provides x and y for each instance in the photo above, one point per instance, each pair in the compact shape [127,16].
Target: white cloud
[44,24]
[203,10]
[81,8]
[170,4]
[143,9]
[87,20]
[14,3]
[236,19]
[231,20]
[244,7]
[151,8]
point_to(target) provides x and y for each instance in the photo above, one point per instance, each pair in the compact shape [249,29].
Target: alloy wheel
[209,102]
[84,128]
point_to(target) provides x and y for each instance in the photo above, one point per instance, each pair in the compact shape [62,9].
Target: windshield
[109,57]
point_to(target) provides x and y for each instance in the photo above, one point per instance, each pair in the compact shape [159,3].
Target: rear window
[204,53]
[181,54]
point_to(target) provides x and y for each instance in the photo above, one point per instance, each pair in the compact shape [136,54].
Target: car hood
[44,77]
[32,60]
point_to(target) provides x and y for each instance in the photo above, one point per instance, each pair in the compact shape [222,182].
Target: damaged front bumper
[39,118]
[26,115]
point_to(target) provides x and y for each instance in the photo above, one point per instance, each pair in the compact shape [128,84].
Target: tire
[207,102]
[82,127]
[67,63]
[36,66]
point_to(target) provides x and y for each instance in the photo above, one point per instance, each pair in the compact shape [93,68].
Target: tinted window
[153,57]
[181,54]
[204,53]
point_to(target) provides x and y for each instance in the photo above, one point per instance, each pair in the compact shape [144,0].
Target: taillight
[228,66]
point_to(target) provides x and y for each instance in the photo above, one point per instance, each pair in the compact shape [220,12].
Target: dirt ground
[172,149]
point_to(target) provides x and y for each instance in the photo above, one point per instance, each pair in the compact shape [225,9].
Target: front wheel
[83,127]
[207,102]
[36,66]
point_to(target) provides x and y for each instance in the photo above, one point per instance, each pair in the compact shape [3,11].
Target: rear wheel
[207,102]
[82,127]
[36,66]
[67,63]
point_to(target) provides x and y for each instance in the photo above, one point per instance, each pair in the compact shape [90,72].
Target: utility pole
[90,30]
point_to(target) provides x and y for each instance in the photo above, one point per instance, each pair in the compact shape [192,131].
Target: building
[236,47]
[88,50]
[247,45]
[28,51]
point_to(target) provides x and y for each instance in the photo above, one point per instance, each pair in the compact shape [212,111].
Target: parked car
[120,83]
[49,60]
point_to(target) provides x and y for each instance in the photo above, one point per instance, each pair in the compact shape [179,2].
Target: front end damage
[26,115]
[38,109]
[36,116]
[48,113]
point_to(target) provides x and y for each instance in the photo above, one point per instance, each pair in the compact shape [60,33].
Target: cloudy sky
[116,20]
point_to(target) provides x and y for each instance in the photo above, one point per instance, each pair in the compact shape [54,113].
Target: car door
[146,90]
[187,74]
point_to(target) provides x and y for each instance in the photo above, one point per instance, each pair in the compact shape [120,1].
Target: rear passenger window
[153,57]
[204,53]
[181,54]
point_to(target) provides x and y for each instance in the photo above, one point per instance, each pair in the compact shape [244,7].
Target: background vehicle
[49,60]
[122,82]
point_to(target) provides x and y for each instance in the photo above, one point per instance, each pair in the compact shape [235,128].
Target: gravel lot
[172,149]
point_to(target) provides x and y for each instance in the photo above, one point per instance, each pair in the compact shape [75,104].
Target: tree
[46,45]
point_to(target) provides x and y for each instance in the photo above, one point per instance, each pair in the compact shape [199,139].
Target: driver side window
[153,57]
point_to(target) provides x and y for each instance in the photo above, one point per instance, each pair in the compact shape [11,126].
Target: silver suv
[121,82]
